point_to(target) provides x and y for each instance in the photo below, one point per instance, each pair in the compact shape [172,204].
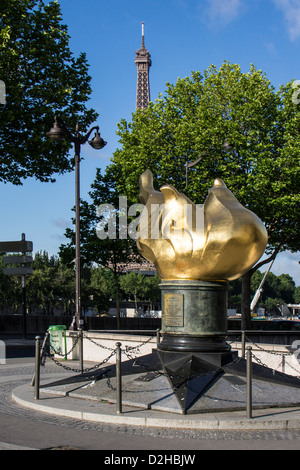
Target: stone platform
[195,386]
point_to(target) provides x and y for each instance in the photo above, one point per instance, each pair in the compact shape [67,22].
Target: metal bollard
[37,368]
[158,336]
[243,343]
[249,382]
[283,364]
[81,351]
[119,379]
[42,354]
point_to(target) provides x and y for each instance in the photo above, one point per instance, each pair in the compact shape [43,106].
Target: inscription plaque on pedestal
[173,309]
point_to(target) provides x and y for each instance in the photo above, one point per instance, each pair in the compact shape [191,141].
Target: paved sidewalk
[267,419]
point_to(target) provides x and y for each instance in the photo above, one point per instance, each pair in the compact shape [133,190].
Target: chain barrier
[126,351]
[160,373]
[269,352]
[131,349]
[274,353]
[97,344]
[48,354]
[129,353]
[96,366]
[48,350]
[127,347]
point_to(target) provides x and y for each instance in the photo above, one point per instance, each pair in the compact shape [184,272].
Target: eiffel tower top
[143,35]
[142,55]
[143,62]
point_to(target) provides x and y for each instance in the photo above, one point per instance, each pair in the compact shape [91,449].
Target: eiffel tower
[143,62]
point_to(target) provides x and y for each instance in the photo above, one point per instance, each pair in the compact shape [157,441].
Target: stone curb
[269,419]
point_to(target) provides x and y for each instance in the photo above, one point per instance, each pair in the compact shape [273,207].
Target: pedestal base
[194,316]
[191,375]
[197,344]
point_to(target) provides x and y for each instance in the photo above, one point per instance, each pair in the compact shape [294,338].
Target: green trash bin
[58,341]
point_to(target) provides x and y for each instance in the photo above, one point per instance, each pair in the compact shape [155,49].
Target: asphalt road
[23,428]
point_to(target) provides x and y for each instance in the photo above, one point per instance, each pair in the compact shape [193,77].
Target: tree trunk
[246,300]
[246,292]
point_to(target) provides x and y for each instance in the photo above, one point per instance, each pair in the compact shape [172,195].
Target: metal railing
[43,352]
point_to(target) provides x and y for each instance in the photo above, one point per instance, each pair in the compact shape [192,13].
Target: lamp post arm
[190,164]
[85,138]
[70,136]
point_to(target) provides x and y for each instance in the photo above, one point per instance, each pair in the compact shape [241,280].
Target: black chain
[130,349]
[96,366]
[269,352]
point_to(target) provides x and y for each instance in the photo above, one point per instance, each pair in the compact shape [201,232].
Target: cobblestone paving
[15,376]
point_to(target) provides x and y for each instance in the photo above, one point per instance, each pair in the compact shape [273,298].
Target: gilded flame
[217,241]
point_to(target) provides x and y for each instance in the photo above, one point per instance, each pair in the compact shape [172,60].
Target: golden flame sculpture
[217,241]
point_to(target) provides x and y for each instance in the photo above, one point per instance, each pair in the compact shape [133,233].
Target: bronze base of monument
[196,344]
[193,349]
[194,316]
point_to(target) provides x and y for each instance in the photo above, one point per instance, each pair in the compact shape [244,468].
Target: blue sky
[181,36]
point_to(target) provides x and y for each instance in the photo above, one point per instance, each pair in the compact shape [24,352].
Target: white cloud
[291,11]
[223,11]
[61,223]
[288,263]
[285,263]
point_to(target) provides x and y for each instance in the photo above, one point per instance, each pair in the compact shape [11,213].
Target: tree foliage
[51,286]
[140,287]
[194,118]
[276,291]
[198,114]
[42,77]
[113,253]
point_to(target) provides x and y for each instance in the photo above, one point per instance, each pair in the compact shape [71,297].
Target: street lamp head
[227,147]
[97,142]
[56,133]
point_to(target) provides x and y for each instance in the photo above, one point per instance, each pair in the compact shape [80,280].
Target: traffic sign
[11,247]
[15,259]
[17,271]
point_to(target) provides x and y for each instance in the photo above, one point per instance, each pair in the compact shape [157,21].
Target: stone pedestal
[194,316]
[193,351]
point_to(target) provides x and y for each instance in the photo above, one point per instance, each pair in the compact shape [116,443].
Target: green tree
[286,288]
[276,291]
[272,306]
[198,114]
[10,290]
[153,292]
[52,285]
[102,288]
[297,295]
[134,284]
[235,294]
[39,290]
[42,77]
[114,252]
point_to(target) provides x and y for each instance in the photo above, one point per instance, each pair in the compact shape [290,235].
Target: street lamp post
[57,133]
[226,146]
[190,165]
